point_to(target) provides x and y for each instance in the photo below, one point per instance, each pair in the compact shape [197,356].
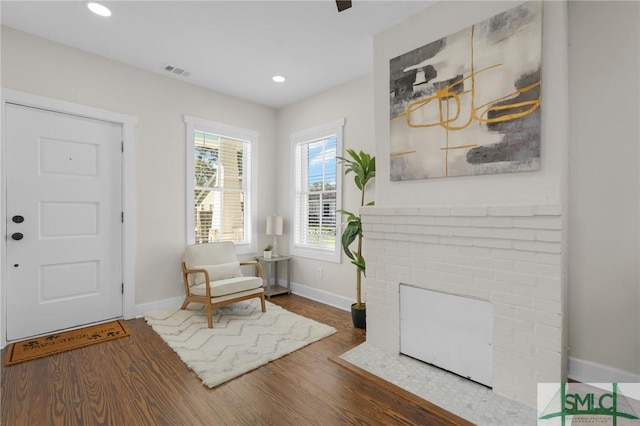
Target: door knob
[17,236]
[17,219]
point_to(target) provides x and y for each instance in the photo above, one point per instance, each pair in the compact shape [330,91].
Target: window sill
[318,254]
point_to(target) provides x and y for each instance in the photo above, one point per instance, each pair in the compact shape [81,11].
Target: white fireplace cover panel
[449,331]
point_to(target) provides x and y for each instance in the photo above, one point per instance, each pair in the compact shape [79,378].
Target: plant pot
[359,316]
[267,254]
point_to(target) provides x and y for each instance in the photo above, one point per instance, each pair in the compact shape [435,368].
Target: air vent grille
[175,70]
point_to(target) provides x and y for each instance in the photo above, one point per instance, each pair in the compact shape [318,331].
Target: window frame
[195,124]
[306,136]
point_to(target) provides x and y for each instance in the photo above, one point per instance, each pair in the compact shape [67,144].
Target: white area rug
[242,338]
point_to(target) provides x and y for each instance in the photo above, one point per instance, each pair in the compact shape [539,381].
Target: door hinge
[122,146]
[122,217]
[122,288]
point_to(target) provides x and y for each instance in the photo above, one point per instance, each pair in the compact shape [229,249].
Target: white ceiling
[232,47]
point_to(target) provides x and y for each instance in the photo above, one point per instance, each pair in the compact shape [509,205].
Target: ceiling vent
[175,70]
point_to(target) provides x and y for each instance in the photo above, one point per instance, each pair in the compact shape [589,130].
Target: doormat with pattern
[42,346]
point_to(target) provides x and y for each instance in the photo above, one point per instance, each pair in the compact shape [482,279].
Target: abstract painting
[469,103]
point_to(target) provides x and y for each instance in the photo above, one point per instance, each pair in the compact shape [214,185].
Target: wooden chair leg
[264,306]
[210,315]
[184,305]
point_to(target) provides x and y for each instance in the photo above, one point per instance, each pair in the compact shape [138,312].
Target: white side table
[270,267]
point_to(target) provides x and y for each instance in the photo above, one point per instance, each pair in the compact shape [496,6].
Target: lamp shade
[274,225]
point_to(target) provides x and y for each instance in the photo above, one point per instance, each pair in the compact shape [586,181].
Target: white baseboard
[158,305]
[321,296]
[593,372]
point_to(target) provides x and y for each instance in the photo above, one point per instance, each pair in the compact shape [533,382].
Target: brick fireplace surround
[511,256]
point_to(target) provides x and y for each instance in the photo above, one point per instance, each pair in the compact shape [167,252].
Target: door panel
[68,158]
[70,219]
[64,178]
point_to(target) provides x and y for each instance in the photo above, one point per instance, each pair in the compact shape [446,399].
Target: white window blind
[220,184]
[219,188]
[316,198]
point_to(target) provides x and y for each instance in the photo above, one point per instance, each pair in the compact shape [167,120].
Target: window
[220,187]
[317,192]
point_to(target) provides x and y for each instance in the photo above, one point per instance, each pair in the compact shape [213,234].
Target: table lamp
[274,227]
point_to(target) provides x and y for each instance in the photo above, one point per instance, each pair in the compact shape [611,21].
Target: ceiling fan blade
[343,5]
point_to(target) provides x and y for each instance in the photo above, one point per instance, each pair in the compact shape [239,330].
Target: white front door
[64,226]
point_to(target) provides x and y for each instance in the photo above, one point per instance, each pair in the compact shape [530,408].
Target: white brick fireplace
[511,256]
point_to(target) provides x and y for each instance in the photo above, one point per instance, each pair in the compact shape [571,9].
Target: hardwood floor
[139,380]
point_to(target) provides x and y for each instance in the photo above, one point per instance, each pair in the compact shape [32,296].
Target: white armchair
[212,276]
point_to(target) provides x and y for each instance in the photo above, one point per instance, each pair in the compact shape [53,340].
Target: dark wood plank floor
[139,380]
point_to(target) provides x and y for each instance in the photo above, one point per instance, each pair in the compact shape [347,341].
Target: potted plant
[267,251]
[363,167]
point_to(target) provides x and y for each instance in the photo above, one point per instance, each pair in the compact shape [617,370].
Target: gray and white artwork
[469,103]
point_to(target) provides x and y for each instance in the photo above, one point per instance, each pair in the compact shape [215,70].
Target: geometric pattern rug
[242,338]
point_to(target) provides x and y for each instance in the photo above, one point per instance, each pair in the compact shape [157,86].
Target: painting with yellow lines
[469,103]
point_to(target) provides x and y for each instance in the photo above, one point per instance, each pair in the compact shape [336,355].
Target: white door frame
[129,124]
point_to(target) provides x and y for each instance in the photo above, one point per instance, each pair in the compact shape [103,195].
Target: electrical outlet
[319,273]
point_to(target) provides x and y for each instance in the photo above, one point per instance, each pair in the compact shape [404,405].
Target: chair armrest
[186,272]
[254,263]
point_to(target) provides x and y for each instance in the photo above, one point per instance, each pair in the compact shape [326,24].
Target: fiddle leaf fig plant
[363,166]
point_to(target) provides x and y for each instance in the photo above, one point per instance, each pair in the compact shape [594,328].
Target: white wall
[604,253]
[34,65]
[354,102]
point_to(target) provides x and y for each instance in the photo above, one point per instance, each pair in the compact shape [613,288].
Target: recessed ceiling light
[278,78]
[99,9]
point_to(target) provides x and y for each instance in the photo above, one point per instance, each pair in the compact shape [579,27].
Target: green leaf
[358,181]
[353,154]
[351,232]
[351,217]
[360,263]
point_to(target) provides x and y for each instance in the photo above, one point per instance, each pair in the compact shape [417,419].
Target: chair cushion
[221,271]
[227,286]
[210,253]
